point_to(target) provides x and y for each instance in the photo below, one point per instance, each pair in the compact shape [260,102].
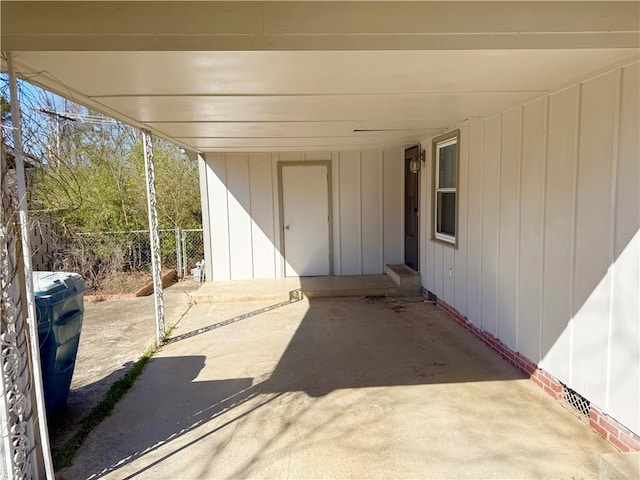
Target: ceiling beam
[198,25]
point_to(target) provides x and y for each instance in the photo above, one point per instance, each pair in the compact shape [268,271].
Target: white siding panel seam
[381,172]
[466,226]
[501,222]
[574,226]
[279,258]
[253,260]
[422,242]
[453,274]
[497,299]
[206,214]
[226,183]
[518,228]
[481,223]
[423,225]
[402,206]
[360,220]
[276,231]
[542,222]
[339,219]
[612,236]
[429,250]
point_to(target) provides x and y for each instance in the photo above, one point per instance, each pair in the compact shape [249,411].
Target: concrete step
[620,466]
[283,289]
[403,276]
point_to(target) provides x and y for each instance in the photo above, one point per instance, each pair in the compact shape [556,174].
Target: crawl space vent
[576,401]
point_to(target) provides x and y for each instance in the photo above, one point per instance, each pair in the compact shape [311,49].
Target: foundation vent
[576,401]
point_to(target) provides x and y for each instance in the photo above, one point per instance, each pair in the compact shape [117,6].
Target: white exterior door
[305,217]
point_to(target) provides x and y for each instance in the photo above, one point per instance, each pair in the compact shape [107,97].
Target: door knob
[287,227]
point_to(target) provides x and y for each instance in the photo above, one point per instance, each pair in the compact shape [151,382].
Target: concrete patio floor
[334,388]
[114,335]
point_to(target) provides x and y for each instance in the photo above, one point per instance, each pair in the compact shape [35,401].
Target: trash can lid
[50,283]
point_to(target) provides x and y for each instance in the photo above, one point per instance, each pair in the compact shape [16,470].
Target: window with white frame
[445,187]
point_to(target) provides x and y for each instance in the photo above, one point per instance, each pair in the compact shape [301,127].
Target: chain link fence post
[179,252]
[192,249]
[185,255]
[20,354]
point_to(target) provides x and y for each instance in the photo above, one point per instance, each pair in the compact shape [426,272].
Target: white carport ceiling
[306,100]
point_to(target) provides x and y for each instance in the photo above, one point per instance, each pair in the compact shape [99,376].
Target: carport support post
[20,366]
[154,234]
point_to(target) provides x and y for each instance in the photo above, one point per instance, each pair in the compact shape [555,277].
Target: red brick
[537,381]
[528,368]
[598,428]
[543,378]
[630,441]
[609,426]
[594,413]
[551,381]
[551,392]
[556,387]
[618,444]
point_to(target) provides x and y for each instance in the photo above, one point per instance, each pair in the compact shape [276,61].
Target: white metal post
[32,320]
[154,234]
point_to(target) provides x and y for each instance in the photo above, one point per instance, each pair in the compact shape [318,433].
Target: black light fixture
[415,163]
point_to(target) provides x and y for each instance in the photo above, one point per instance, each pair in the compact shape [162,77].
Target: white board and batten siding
[244,218]
[549,244]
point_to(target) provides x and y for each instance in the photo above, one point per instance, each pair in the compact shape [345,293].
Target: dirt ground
[114,335]
[121,282]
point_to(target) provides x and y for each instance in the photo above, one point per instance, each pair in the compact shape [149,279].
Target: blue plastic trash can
[60,307]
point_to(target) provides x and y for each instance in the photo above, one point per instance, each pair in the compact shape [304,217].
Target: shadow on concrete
[226,322]
[333,348]
[65,422]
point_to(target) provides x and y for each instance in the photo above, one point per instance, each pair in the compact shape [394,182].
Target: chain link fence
[190,251]
[100,255]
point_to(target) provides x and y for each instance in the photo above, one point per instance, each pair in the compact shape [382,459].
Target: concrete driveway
[334,388]
[114,335]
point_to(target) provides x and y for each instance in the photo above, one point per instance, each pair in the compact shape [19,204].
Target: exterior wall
[549,243]
[243,211]
[205,207]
